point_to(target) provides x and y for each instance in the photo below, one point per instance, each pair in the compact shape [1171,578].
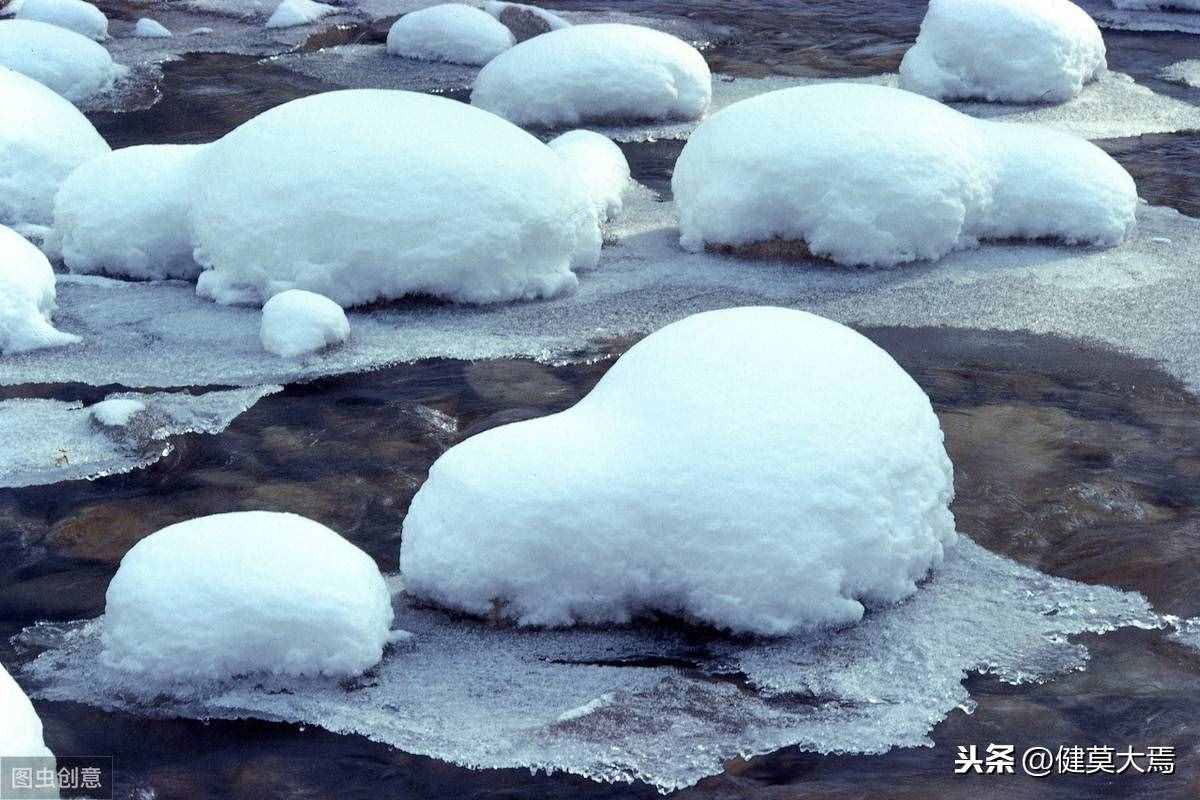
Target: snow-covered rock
[869,175]
[452,32]
[27,297]
[290,13]
[1185,72]
[147,28]
[758,469]
[74,66]
[525,21]
[74,15]
[20,727]
[116,413]
[603,72]
[1004,50]
[248,592]
[125,214]
[601,166]
[296,323]
[407,194]
[42,139]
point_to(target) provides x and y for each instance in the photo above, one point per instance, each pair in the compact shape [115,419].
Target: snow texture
[1040,51]
[760,470]
[42,139]
[601,166]
[290,13]
[64,441]
[880,684]
[147,28]
[296,323]
[21,731]
[881,177]
[452,32]
[1185,72]
[433,197]
[245,593]
[603,72]
[74,15]
[125,214]
[72,65]
[27,298]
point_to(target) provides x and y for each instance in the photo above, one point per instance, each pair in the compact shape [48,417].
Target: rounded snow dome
[1004,50]
[74,66]
[74,15]
[296,323]
[601,166]
[451,32]
[407,194]
[42,139]
[760,470]
[21,733]
[27,297]
[606,72]
[242,593]
[869,175]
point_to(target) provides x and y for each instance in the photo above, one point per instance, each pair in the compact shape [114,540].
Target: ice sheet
[646,704]
[1107,16]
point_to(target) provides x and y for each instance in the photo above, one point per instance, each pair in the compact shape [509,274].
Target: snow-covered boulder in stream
[601,166]
[868,175]
[525,21]
[1004,50]
[408,194]
[290,13]
[20,727]
[296,323]
[74,15]
[244,593]
[760,470]
[27,297]
[606,72]
[147,28]
[451,32]
[72,65]
[42,139]
[125,214]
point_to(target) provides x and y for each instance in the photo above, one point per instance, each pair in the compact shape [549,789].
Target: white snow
[601,166]
[868,175]
[296,323]
[74,15]
[290,13]
[603,72]
[72,65]
[27,297]
[451,32]
[116,413]
[243,593]
[407,194]
[757,469]
[1186,72]
[1004,50]
[147,28]
[125,214]
[21,730]
[42,138]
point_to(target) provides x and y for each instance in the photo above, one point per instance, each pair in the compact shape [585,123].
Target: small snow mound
[601,166]
[296,323]
[1185,72]
[525,21]
[758,469]
[243,593]
[434,198]
[147,28]
[116,413]
[290,13]
[21,733]
[1004,50]
[452,32]
[125,214]
[604,72]
[74,15]
[74,66]
[27,297]
[868,175]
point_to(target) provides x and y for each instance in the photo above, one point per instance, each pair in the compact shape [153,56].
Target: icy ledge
[597,702]
[64,441]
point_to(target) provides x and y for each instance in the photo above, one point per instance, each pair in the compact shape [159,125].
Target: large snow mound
[241,593]
[74,15]
[450,32]
[126,214]
[296,323]
[869,175]
[407,194]
[290,13]
[757,469]
[601,166]
[42,139]
[72,65]
[608,71]
[27,297]
[1004,50]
